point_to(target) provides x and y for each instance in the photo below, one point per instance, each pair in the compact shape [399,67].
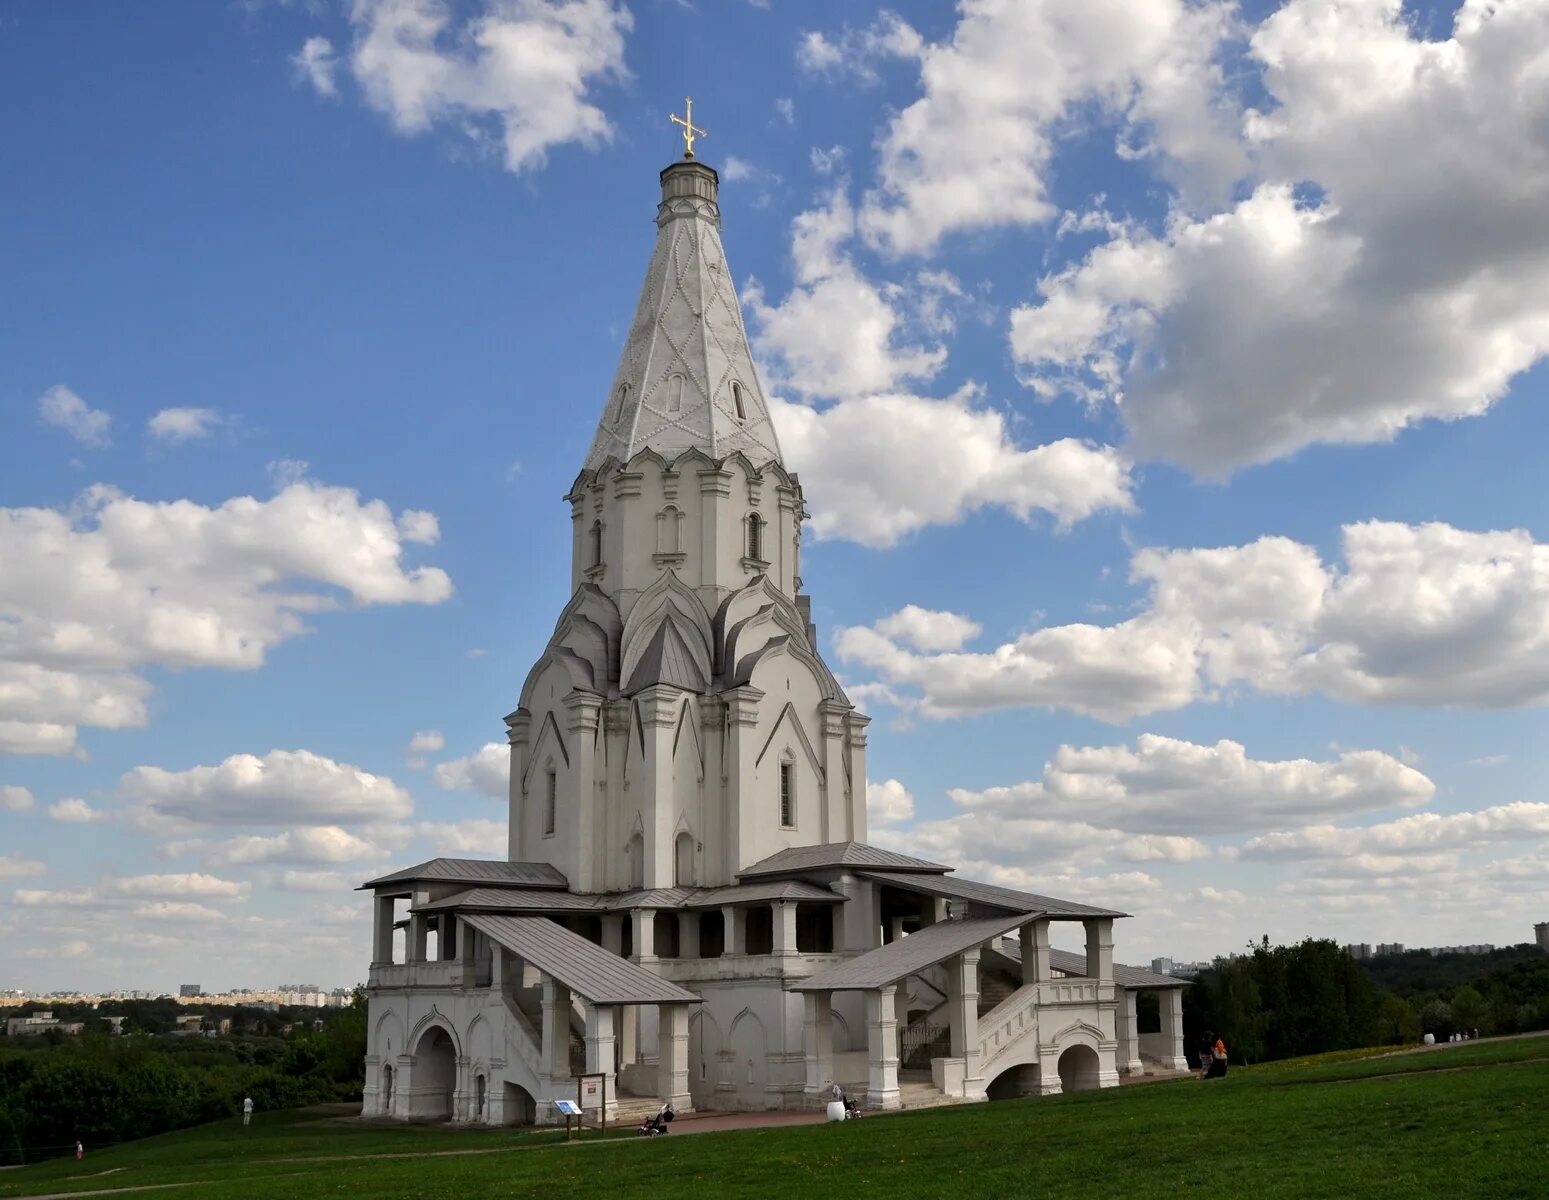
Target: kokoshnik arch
[688,902]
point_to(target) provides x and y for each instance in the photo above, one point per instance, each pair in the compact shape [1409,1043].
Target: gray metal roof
[590,971]
[908,955]
[795,859]
[475,870]
[511,900]
[501,899]
[988,894]
[1126,977]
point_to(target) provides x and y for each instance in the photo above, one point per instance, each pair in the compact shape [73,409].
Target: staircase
[994,986]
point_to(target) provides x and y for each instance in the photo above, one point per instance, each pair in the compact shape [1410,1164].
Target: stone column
[403,1077]
[382,930]
[1099,948]
[882,1047]
[556,1028]
[963,1016]
[857,747]
[600,1048]
[1170,1001]
[742,706]
[462,1092]
[895,928]
[672,1056]
[644,934]
[735,921]
[1035,952]
[518,737]
[467,946]
[613,933]
[835,811]
[785,927]
[419,937]
[628,1025]
[858,916]
[658,707]
[582,713]
[688,934]
[818,1043]
[1129,1037]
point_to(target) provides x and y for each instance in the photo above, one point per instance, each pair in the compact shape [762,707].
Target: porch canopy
[588,970]
[987,895]
[908,955]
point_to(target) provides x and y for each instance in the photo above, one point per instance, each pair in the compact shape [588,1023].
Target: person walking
[1206,1052]
[80,1151]
[247,1110]
[1217,1061]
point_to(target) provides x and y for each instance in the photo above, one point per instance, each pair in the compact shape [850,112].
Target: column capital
[615,716]
[518,726]
[659,704]
[583,710]
[742,705]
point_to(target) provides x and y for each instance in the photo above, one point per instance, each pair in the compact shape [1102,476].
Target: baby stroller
[656,1126]
[852,1109]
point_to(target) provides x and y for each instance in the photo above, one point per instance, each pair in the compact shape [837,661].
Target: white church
[688,906]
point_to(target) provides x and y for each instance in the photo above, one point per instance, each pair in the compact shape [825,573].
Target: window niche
[787,789]
[669,538]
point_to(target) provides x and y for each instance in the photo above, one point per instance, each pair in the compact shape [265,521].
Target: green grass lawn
[1456,1121]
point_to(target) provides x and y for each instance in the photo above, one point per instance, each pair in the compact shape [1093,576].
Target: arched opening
[683,860]
[435,1075]
[669,530]
[385,1090]
[674,393]
[1016,1081]
[480,1099]
[637,861]
[755,536]
[736,399]
[519,1108]
[550,800]
[1079,1070]
[618,404]
[596,546]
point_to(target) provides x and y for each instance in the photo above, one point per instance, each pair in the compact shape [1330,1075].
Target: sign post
[591,1091]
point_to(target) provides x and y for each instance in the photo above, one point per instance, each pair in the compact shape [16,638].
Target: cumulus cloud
[478,836]
[1165,785]
[316,64]
[16,866]
[309,844]
[934,462]
[888,803]
[973,152]
[178,425]
[74,811]
[63,409]
[1419,614]
[112,584]
[1423,832]
[317,882]
[927,630]
[284,787]
[1375,141]
[487,770]
[855,53]
[426,741]
[15,798]
[517,74]
[175,896]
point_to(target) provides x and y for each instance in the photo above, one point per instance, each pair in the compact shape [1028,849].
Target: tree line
[1311,997]
[101,1089]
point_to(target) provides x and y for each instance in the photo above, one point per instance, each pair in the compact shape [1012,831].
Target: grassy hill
[1454,1121]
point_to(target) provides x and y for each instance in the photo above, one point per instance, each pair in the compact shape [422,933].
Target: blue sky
[1160,375]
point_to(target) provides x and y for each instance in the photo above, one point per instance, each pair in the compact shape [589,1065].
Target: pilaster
[519,739]
[818,1042]
[672,1056]
[741,717]
[583,710]
[882,1047]
[857,775]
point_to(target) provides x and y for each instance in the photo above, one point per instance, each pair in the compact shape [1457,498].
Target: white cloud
[426,741]
[284,787]
[63,409]
[836,333]
[15,798]
[319,882]
[14,866]
[176,910]
[1375,142]
[74,811]
[488,770]
[113,584]
[309,844]
[974,151]
[934,462]
[786,107]
[520,71]
[888,803]
[1424,832]
[478,836]
[856,52]
[172,897]
[1420,614]
[316,64]
[927,630]
[1164,785]
[178,425]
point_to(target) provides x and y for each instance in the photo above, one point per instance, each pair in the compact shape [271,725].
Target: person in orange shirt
[1217,1061]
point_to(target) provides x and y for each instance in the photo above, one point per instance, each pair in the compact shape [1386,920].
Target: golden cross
[690,130]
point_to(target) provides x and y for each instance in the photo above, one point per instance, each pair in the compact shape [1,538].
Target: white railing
[1068,991]
[1008,1022]
[447,974]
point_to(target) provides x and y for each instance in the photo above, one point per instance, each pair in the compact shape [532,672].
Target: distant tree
[1436,1019]
[1398,1021]
[1468,1009]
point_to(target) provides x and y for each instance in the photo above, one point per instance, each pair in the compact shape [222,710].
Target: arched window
[675,393]
[669,530]
[618,404]
[736,399]
[787,794]
[550,801]
[637,861]
[683,860]
[755,536]
[596,544]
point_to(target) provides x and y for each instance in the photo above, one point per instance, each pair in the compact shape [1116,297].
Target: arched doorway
[385,1090]
[1013,1082]
[683,860]
[1079,1069]
[435,1076]
[519,1108]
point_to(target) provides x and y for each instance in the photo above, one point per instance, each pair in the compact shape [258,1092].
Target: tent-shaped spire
[686,378]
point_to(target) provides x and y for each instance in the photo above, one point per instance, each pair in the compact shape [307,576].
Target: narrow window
[669,537]
[675,394]
[736,399]
[755,535]
[618,408]
[550,803]
[788,795]
[596,544]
